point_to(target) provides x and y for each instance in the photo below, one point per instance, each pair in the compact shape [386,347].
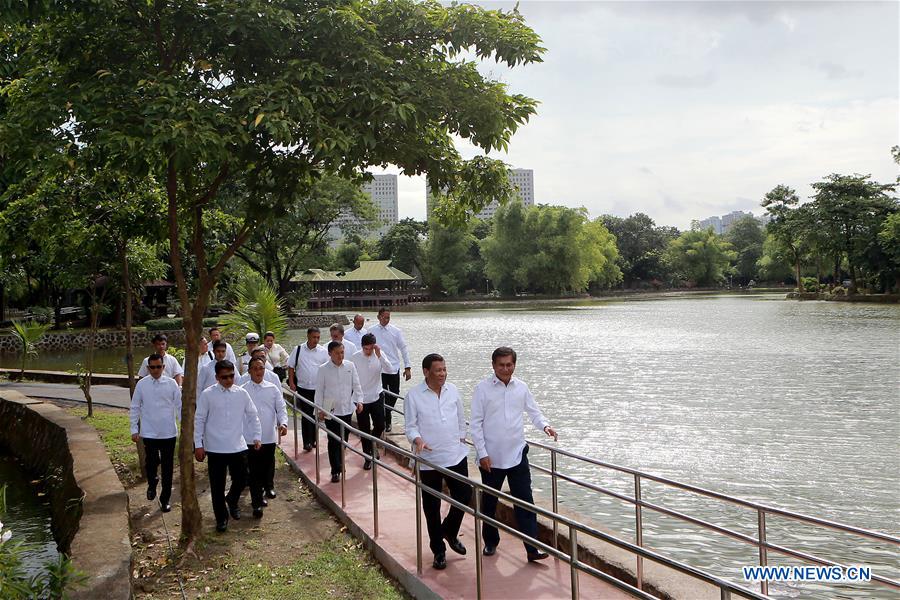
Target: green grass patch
[115,431]
[336,568]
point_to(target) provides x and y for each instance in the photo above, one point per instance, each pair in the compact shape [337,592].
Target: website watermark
[832,574]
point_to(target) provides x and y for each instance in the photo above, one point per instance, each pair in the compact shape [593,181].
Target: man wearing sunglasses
[224,412]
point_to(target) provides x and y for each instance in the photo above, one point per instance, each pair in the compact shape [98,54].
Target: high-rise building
[382,191]
[521,179]
[721,224]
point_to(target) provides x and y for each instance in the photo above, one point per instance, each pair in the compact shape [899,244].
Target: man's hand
[407,373]
[359,408]
[420,445]
[135,437]
[257,444]
[485,464]
[322,415]
[551,432]
[377,349]
[199,454]
[282,430]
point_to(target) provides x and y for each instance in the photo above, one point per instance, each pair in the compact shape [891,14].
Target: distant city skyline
[521,179]
[683,110]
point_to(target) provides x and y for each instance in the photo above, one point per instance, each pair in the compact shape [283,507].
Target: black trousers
[307,427]
[431,504]
[371,421]
[260,463]
[519,478]
[334,446]
[235,465]
[390,381]
[160,453]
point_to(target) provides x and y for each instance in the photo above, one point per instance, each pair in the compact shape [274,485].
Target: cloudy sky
[684,110]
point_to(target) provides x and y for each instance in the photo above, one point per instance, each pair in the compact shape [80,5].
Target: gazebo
[375,283]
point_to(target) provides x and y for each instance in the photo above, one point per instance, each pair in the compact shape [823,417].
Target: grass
[338,567]
[115,431]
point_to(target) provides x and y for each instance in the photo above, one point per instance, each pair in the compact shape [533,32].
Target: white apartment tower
[382,190]
[521,179]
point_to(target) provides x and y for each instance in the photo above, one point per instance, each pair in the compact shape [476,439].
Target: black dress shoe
[257,513]
[335,477]
[235,512]
[367,466]
[455,545]
[440,561]
[387,428]
[165,507]
[307,447]
[537,555]
[151,491]
[270,494]
[222,526]
[265,502]
[489,550]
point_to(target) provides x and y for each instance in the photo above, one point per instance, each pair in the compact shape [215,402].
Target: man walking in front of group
[303,366]
[436,426]
[498,404]
[155,412]
[355,333]
[270,407]
[393,344]
[171,367]
[370,362]
[224,412]
[338,395]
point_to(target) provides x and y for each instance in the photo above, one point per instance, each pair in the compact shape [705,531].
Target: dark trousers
[235,464]
[259,464]
[334,446]
[519,478]
[307,427]
[431,504]
[160,453]
[371,421]
[390,381]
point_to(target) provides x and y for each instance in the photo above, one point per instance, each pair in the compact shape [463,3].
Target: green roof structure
[369,270]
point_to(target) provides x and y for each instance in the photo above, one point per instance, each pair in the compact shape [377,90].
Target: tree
[267,95]
[402,245]
[746,237]
[28,334]
[641,244]
[446,266]
[787,224]
[600,255]
[889,239]
[700,256]
[258,309]
[506,248]
[775,262]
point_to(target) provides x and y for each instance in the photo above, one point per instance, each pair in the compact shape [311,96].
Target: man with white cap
[252,341]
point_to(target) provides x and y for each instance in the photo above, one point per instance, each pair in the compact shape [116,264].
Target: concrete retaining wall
[89,507]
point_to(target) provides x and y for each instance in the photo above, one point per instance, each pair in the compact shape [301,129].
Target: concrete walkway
[506,575]
[107,395]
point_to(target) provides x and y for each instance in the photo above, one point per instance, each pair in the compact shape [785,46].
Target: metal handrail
[762,510]
[726,587]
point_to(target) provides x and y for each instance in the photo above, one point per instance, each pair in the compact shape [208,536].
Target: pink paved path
[507,575]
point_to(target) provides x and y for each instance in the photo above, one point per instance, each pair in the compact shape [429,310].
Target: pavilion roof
[368,270]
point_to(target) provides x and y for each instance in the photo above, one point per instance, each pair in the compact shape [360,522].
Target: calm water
[27,516]
[791,404]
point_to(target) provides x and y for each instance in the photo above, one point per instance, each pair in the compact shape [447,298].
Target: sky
[684,110]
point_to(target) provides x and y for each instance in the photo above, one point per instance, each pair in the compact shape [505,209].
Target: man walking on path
[224,412]
[393,344]
[155,412]
[355,333]
[206,376]
[303,366]
[436,426]
[370,362]
[214,336]
[171,368]
[338,395]
[269,402]
[268,373]
[498,404]
[336,331]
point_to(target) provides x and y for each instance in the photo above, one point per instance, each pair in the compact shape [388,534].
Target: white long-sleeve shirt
[369,369]
[497,420]
[391,341]
[268,375]
[270,407]
[276,356]
[355,335]
[206,377]
[204,359]
[229,353]
[171,367]
[349,347]
[156,408]
[439,421]
[306,362]
[337,388]
[223,414]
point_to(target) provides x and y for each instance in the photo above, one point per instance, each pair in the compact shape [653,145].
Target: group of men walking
[237,422]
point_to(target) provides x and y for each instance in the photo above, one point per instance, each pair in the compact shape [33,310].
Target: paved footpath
[506,575]
[107,395]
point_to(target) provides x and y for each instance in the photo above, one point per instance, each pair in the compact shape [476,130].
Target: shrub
[810,284]
[172,324]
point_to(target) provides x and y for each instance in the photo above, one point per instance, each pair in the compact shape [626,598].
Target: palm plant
[28,334]
[258,308]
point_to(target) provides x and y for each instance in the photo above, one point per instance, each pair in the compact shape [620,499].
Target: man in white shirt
[436,426]
[370,362]
[224,412]
[276,355]
[337,335]
[207,375]
[355,333]
[392,343]
[303,365]
[269,402]
[155,413]
[338,395]
[171,368]
[268,374]
[252,342]
[214,336]
[498,404]
[206,355]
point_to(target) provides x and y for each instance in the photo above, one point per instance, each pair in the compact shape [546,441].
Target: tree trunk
[191,517]
[2,303]
[89,359]
[797,271]
[129,343]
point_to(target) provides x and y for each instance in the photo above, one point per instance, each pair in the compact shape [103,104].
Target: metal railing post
[294,402]
[316,441]
[725,594]
[573,560]
[478,566]
[375,488]
[418,520]
[555,487]
[763,554]
[343,467]
[638,529]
